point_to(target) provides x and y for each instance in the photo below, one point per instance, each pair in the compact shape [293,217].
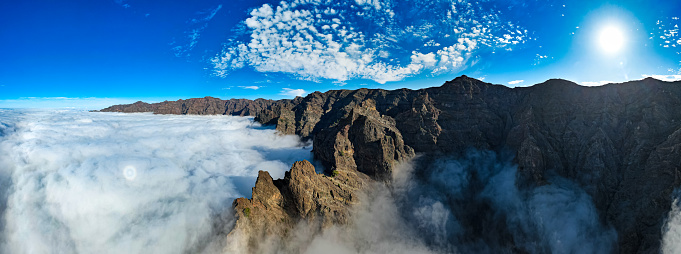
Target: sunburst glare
[611,39]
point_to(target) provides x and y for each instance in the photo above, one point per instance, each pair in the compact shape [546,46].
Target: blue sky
[90,54]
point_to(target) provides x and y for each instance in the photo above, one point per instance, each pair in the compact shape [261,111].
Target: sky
[92,54]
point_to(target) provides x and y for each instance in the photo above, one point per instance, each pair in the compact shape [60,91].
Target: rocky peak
[265,192]
[363,140]
[276,205]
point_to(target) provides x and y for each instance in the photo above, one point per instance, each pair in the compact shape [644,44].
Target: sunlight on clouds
[361,39]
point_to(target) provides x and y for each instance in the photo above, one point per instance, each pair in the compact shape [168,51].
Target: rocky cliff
[621,143]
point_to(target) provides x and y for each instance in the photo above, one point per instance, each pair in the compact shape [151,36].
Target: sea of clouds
[86,182]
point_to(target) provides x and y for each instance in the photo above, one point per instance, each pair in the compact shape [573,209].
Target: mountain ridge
[620,142]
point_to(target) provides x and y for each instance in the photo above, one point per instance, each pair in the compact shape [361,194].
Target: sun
[611,39]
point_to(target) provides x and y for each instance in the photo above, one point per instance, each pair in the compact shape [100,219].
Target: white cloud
[289,40]
[315,40]
[293,92]
[515,82]
[250,87]
[596,83]
[129,183]
[668,78]
[671,232]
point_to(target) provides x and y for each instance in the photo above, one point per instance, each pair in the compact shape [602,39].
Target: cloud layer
[79,182]
[380,40]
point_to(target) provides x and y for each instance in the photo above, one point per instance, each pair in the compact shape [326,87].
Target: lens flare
[130,173]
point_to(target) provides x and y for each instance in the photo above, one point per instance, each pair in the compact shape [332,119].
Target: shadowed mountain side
[620,142]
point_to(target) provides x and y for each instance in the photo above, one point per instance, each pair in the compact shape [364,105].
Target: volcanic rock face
[620,142]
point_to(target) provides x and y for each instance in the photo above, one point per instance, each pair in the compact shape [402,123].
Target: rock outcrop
[278,205]
[620,142]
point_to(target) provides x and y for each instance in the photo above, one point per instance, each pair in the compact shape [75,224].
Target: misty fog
[470,204]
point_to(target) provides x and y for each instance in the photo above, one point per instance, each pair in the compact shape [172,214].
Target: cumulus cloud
[363,39]
[515,82]
[292,92]
[666,32]
[79,182]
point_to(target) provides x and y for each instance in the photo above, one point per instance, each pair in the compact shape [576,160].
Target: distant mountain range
[621,143]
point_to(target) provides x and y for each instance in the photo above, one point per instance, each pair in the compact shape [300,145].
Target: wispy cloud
[207,15]
[192,36]
[122,3]
[293,92]
[515,82]
[250,87]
